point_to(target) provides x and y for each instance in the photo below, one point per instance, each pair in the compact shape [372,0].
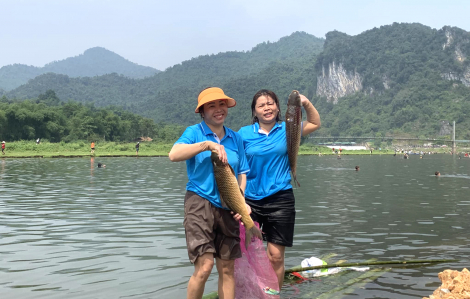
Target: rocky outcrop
[336,82]
[450,39]
[446,128]
[464,78]
[459,56]
[455,285]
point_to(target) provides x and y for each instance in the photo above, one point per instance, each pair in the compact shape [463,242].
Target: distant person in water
[100,165]
[437,173]
[357,168]
[137,148]
[3,147]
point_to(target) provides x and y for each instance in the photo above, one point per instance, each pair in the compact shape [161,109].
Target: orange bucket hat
[212,94]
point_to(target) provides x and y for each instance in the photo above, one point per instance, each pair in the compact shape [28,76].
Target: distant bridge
[434,140]
[391,138]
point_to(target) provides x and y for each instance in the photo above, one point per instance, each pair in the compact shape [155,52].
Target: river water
[71,230]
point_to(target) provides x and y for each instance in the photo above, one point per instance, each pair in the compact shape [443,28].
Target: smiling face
[266,109]
[215,112]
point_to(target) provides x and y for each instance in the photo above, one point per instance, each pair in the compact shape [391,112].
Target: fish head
[294,99]
[215,159]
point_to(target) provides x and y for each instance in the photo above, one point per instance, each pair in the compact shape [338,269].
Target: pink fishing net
[253,271]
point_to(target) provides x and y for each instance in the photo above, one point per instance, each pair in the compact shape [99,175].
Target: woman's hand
[238,216]
[303,100]
[220,151]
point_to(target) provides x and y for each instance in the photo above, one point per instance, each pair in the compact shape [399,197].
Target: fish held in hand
[293,130]
[232,197]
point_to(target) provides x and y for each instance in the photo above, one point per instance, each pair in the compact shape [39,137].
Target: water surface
[71,230]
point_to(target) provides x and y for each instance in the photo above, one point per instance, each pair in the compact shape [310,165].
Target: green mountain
[170,95]
[93,62]
[399,79]
[395,80]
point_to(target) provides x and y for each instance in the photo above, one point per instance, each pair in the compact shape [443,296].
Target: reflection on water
[70,229]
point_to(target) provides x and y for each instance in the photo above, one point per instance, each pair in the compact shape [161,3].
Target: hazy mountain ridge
[93,62]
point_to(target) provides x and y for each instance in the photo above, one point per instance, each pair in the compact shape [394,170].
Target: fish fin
[250,233]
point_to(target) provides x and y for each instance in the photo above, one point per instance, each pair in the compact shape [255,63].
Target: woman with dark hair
[269,190]
[211,231]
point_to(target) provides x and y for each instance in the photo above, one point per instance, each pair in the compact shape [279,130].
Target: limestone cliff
[336,82]
[459,56]
[464,77]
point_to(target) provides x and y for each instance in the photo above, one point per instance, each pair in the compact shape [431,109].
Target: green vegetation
[405,92]
[50,119]
[47,149]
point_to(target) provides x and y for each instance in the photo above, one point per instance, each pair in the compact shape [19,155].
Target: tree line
[48,118]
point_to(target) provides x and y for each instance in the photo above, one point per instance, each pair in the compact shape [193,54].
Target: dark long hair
[266,93]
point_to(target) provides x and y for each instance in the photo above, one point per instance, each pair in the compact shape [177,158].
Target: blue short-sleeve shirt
[267,159]
[199,168]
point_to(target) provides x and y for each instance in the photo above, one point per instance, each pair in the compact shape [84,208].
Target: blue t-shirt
[267,159]
[199,168]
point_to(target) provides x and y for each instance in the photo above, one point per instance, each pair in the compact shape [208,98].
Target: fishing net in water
[254,276]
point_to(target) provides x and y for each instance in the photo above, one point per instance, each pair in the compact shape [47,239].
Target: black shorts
[276,217]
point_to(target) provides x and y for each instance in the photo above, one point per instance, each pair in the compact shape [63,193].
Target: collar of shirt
[207,131]
[256,128]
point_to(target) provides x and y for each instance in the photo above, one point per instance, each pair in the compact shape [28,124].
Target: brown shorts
[209,229]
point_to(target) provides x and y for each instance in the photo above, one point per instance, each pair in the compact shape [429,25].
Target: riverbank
[29,149]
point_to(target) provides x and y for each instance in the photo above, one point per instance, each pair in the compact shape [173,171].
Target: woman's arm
[313,122]
[242,182]
[182,152]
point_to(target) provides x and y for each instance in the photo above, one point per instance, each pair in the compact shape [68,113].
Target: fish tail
[249,233]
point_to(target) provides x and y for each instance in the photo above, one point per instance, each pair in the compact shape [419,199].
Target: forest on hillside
[404,89]
[49,118]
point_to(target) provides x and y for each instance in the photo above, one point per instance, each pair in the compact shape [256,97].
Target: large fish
[293,130]
[232,197]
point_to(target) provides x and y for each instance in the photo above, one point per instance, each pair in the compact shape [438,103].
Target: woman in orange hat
[211,231]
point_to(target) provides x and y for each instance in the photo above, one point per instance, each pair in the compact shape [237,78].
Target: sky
[162,33]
